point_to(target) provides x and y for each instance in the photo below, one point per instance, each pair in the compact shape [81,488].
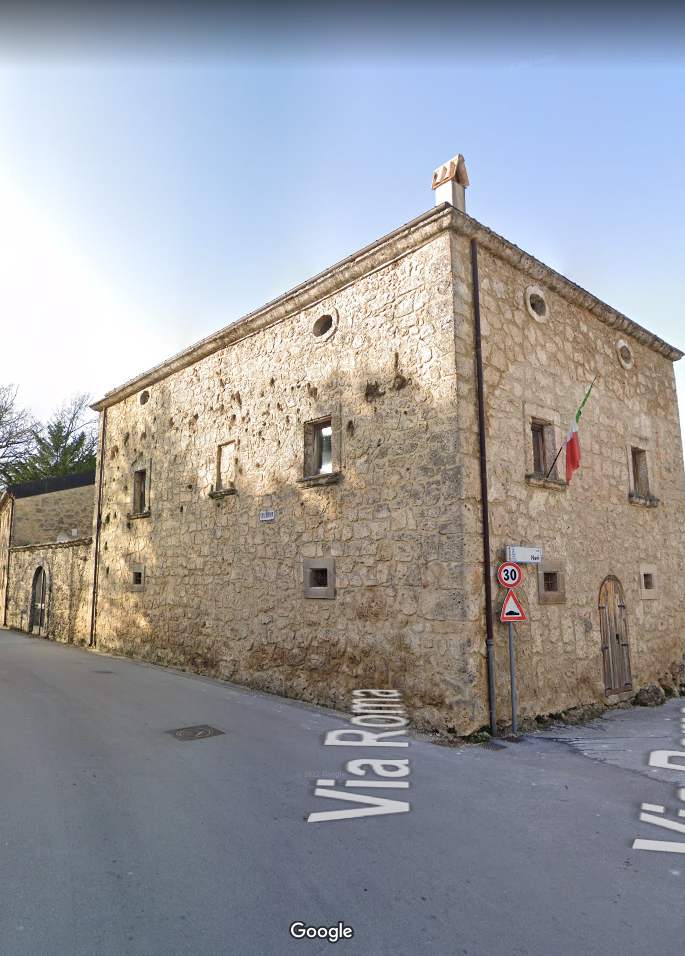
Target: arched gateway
[38,612]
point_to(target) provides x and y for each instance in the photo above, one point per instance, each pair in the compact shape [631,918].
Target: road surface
[118,838]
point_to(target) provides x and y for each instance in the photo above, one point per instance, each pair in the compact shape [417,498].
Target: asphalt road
[117,838]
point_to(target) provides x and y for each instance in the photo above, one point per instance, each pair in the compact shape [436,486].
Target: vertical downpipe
[96,554]
[487,572]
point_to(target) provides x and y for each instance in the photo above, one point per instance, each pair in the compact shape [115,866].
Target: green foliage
[66,445]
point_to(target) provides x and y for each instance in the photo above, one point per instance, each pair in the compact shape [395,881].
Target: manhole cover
[195,733]
[492,745]
[103,672]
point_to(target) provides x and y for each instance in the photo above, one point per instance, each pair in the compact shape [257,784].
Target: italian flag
[572,442]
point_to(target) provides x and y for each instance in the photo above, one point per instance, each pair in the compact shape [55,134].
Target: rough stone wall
[542,369]
[69,572]
[219,591]
[41,518]
[5,529]
[223,592]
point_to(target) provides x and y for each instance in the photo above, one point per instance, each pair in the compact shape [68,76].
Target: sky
[164,174]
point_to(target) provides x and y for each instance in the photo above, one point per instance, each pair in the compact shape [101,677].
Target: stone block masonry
[224,592]
[48,517]
[379,350]
[68,569]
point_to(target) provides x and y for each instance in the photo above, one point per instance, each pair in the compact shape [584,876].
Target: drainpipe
[7,569]
[96,554]
[487,571]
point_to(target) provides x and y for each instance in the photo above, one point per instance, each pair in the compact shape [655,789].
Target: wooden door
[39,602]
[614,628]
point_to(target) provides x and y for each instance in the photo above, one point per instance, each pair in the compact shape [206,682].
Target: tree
[17,433]
[67,444]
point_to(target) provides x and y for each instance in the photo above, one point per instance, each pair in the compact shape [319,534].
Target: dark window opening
[538,433]
[137,578]
[648,581]
[542,435]
[322,325]
[140,491]
[318,578]
[538,304]
[551,581]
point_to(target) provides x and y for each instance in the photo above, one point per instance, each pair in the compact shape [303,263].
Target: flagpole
[554,462]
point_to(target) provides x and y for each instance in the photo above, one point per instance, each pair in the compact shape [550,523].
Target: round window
[625,354]
[536,304]
[323,328]
[322,325]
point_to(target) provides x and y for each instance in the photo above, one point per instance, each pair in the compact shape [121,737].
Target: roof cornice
[569,290]
[380,253]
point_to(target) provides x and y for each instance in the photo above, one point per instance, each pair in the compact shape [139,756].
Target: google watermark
[332,934]
[383,711]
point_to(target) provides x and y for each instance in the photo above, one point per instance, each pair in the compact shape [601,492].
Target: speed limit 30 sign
[509,574]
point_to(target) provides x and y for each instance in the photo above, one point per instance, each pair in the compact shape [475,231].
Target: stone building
[46,556]
[298,501]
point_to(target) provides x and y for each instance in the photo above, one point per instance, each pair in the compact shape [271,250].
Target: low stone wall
[44,517]
[69,576]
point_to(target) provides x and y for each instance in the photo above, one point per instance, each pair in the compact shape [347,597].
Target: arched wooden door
[39,602]
[614,627]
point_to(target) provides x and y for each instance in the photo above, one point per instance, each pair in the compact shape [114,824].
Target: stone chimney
[450,181]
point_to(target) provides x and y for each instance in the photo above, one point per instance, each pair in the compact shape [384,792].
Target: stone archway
[38,609]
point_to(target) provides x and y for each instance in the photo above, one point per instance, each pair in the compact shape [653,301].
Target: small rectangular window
[225,466]
[640,474]
[318,448]
[140,491]
[319,577]
[648,582]
[542,435]
[137,577]
[551,582]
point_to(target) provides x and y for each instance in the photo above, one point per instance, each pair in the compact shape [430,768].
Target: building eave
[379,254]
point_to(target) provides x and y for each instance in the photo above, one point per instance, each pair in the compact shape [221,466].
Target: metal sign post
[510,576]
[512,680]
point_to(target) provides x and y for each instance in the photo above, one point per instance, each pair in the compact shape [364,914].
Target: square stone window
[551,582]
[137,577]
[648,582]
[319,577]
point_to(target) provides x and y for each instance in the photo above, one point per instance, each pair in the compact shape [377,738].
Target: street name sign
[523,555]
[509,574]
[512,610]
